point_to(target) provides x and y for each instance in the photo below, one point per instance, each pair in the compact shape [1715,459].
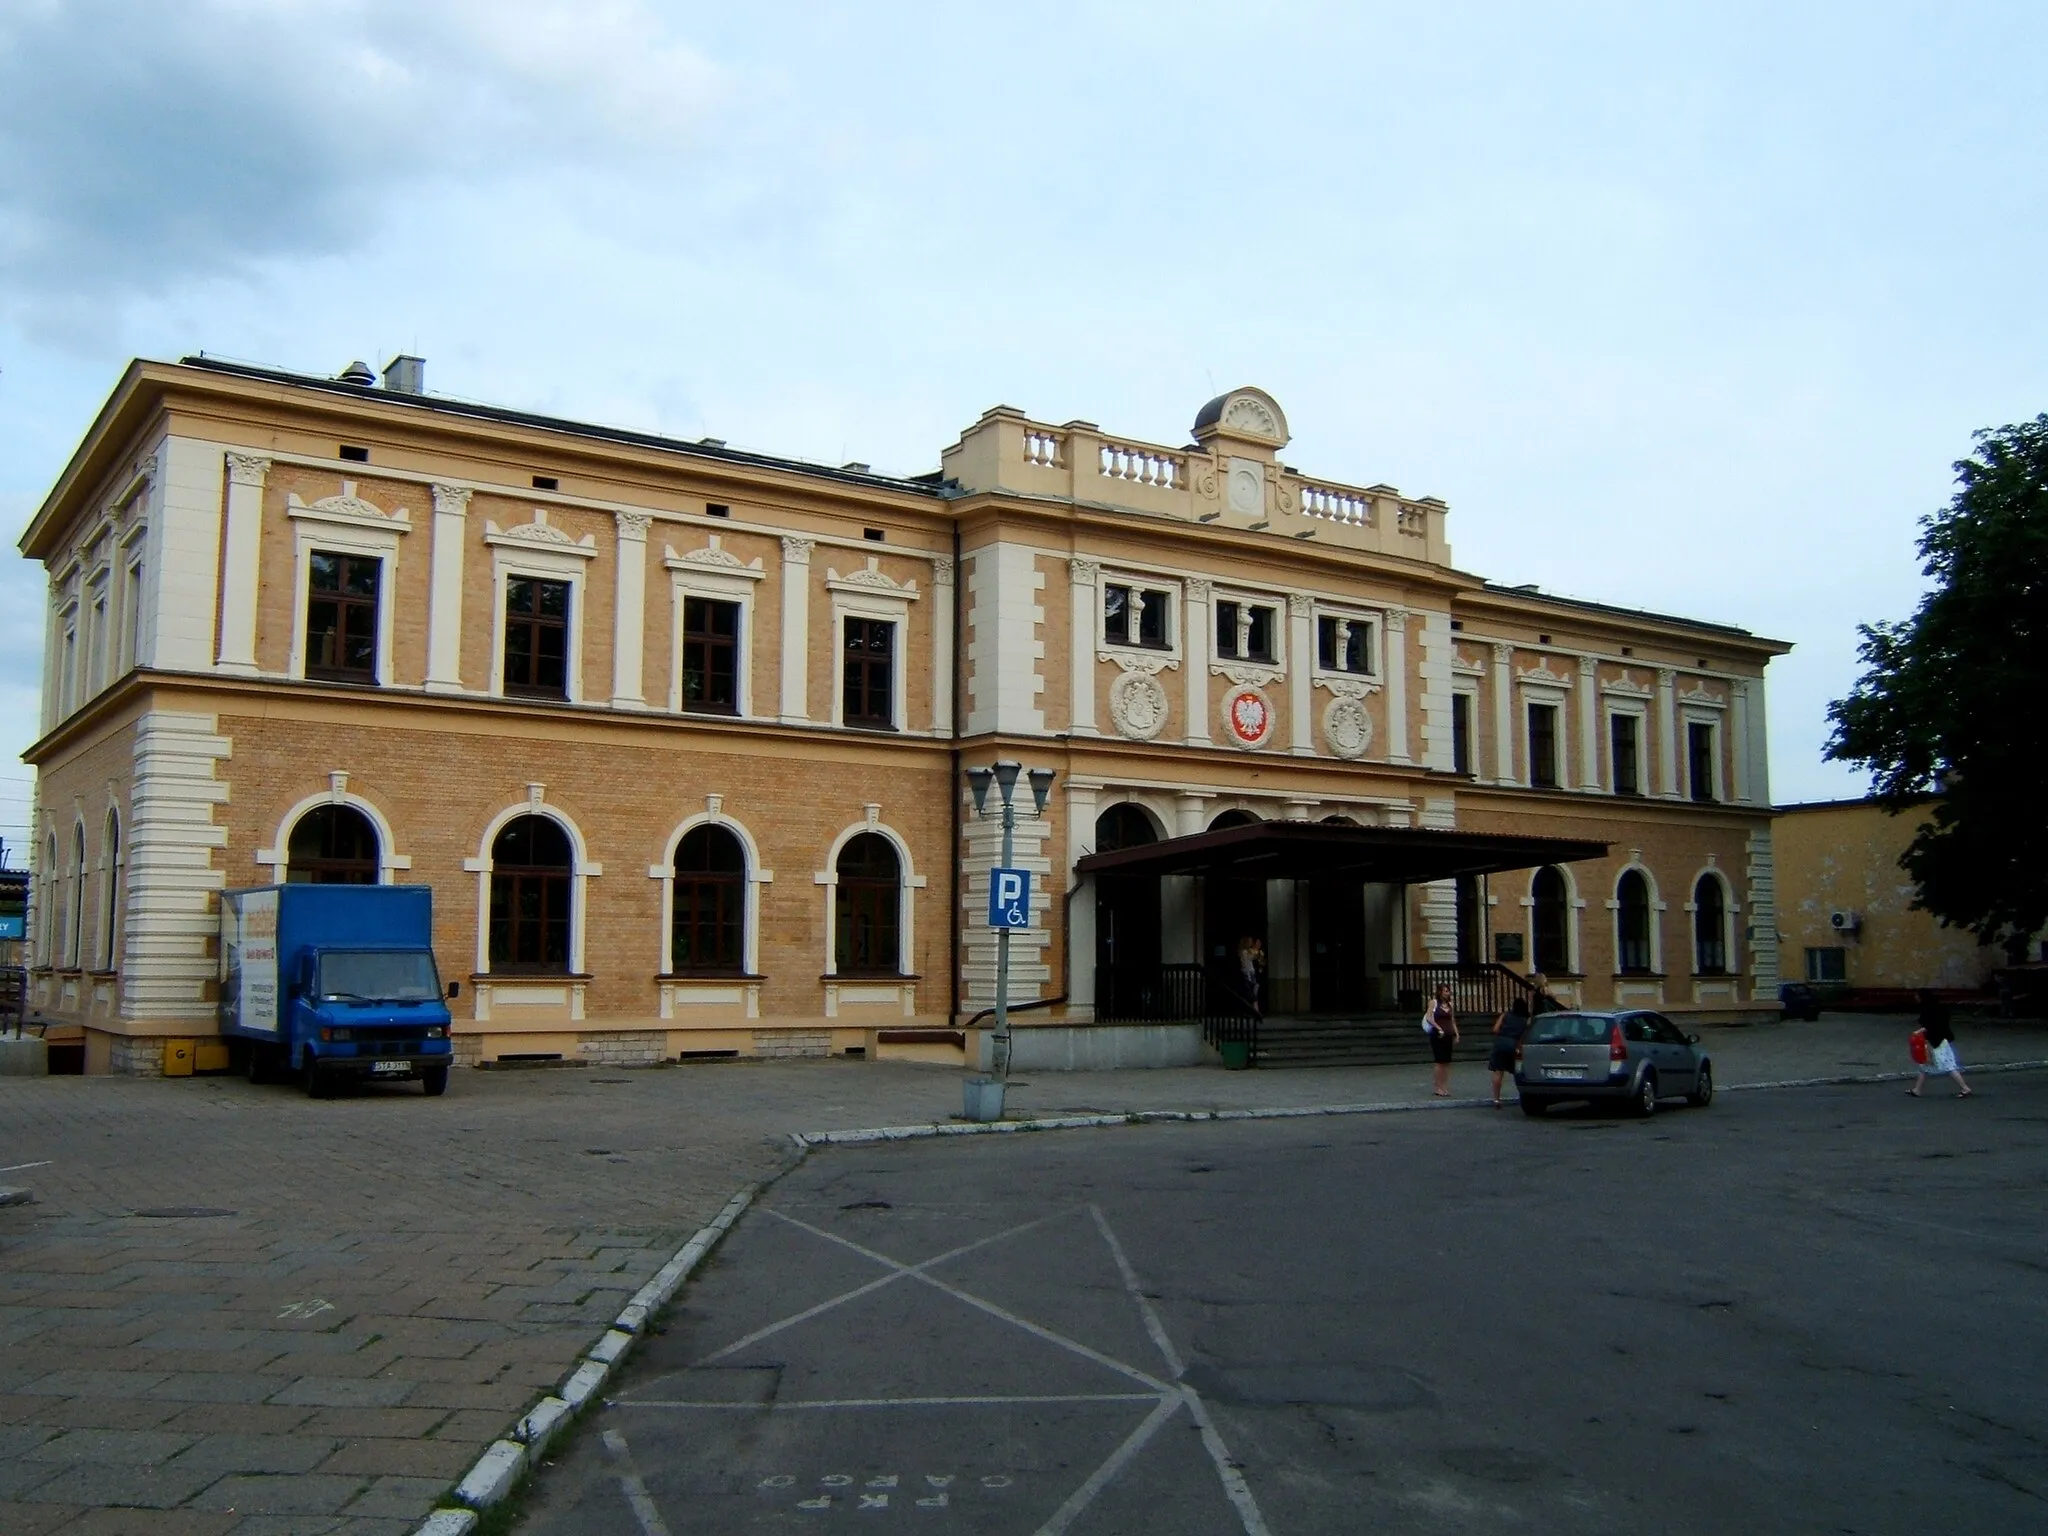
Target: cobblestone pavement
[235,1310]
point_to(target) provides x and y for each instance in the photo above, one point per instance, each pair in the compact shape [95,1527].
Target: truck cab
[369,1013]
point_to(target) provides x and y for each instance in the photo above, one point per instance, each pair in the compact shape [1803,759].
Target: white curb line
[498,1471]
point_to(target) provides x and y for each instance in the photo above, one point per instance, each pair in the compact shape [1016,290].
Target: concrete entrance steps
[1361,1040]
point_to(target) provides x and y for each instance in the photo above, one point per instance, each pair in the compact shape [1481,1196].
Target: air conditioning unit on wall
[1846,922]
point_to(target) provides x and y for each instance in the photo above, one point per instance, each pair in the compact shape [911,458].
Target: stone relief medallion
[1137,703]
[1248,716]
[1347,727]
[1247,489]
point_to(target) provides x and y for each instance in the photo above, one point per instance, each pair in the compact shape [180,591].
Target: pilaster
[444,589]
[240,562]
[943,660]
[1667,732]
[795,706]
[1198,639]
[1301,643]
[629,611]
[1397,685]
[1085,579]
[1589,723]
[1504,713]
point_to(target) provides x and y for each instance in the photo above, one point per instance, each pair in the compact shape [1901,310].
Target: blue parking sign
[1009,898]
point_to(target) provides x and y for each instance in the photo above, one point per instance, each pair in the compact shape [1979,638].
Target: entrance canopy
[1306,850]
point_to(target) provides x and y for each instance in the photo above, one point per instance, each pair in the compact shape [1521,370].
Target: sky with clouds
[1686,306]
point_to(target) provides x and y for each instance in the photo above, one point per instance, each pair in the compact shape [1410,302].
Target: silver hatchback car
[1631,1056]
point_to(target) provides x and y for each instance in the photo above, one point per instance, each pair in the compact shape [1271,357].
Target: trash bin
[1236,1054]
[984,1098]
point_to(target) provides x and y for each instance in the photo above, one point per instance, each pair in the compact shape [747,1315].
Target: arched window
[1233,819]
[1123,826]
[531,865]
[866,908]
[708,931]
[1709,928]
[74,955]
[1632,923]
[332,845]
[110,894]
[49,919]
[1551,922]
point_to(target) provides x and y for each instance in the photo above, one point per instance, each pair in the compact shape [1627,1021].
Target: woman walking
[1440,1025]
[1508,1030]
[1941,1046]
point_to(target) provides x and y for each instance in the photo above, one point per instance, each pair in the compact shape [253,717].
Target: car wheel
[435,1081]
[1703,1087]
[1645,1101]
[1533,1106]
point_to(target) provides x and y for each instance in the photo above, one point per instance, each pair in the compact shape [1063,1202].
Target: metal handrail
[1478,987]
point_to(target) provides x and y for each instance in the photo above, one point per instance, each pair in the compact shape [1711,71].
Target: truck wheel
[435,1081]
[319,1085]
[255,1064]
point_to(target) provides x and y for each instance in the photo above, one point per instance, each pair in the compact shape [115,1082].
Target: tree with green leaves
[1951,713]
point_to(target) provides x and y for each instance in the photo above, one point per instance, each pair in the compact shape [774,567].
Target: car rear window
[1568,1029]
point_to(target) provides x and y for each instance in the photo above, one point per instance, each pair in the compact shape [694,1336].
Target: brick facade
[995,581]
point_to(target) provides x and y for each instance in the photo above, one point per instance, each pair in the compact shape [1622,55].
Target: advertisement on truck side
[248,954]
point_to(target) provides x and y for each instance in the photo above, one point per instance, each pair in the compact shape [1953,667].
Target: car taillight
[1617,1048]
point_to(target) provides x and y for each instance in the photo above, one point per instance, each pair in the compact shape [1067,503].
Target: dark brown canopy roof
[1303,850]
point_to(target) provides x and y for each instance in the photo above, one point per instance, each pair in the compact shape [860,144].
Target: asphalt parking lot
[1799,1310]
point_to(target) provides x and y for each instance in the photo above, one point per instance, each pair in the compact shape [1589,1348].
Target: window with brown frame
[532,865]
[866,922]
[1543,746]
[1461,733]
[1624,747]
[868,684]
[332,845]
[711,652]
[537,637]
[708,929]
[341,616]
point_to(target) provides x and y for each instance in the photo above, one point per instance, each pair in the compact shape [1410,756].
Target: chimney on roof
[406,375]
[357,372]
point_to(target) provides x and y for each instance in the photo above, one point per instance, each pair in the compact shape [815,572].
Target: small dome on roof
[357,372]
[1245,412]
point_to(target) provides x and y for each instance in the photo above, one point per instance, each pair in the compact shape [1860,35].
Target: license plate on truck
[392,1066]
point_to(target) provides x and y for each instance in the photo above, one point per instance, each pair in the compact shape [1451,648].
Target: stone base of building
[1095,1047]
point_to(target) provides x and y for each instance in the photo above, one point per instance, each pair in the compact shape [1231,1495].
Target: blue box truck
[333,982]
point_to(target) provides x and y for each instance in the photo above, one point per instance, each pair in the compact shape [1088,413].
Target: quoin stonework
[676,733]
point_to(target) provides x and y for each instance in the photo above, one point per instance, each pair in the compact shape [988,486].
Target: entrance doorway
[1126,921]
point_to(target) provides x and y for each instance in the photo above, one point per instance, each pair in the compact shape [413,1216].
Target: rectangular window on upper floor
[537,637]
[1699,760]
[1134,615]
[1244,631]
[1461,733]
[1543,746]
[711,656]
[868,675]
[341,616]
[1625,753]
[1343,644]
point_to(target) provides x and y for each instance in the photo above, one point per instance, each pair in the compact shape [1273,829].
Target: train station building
[678,734]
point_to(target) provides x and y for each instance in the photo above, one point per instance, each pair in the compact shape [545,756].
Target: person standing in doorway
[1251,964]
[1508,1030]
[1936,1024]
[1440,1026]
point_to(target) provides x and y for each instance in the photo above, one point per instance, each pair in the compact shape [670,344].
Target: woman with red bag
[1934,1046]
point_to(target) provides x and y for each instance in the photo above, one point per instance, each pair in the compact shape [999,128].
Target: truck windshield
[378,976]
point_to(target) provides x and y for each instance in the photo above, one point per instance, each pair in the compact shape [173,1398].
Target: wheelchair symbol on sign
[1009,898]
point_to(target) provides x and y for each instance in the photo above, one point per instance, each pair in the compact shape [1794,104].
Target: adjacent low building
[677,733]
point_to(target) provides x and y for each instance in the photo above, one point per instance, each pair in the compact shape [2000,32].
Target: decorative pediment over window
[541,534]
[1540,676]
[348,507]
[1627,685]
[714,557]
[871,578]
[1701,695]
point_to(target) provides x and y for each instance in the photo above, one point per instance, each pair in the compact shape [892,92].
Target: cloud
[146,146]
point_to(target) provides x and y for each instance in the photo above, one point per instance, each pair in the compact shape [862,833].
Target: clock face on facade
[1248,717]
